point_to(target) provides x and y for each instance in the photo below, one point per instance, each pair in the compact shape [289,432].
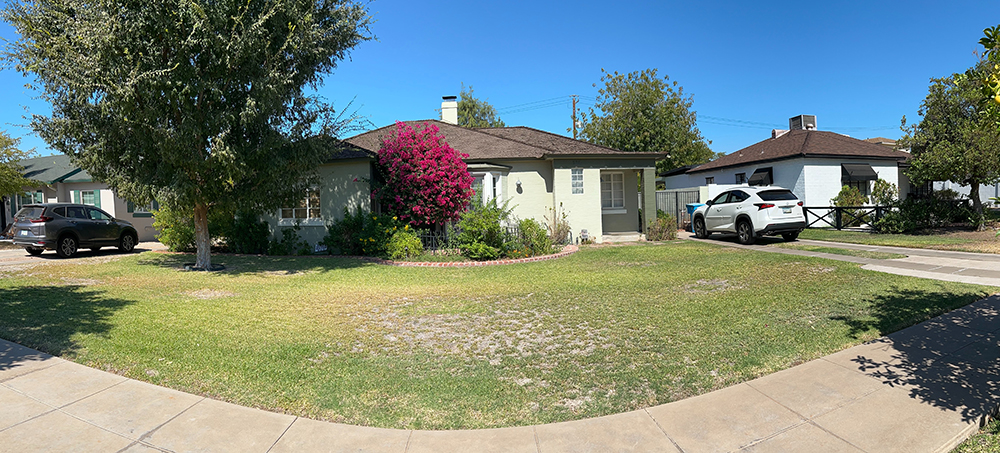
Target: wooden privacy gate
[840,217]
[675,201]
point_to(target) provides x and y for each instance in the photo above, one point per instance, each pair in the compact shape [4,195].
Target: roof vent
[775,133]
[802,123]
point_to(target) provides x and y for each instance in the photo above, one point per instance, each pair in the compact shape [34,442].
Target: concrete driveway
[17,256]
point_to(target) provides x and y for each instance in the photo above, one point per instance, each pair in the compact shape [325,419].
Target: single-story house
[64,182]
[603,191]
[813,164]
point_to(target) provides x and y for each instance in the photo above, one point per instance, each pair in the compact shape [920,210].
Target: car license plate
[787,210]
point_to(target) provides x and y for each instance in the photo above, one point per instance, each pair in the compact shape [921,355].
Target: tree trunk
[977,206]
[202,241]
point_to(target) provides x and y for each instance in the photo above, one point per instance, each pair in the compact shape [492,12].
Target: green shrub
[914,214]
[663,228]
[362,233]
[175,227]
[247,234]
[532,240]
[850,196]
[479,251]
[482,232]
[289,244]
[404,244]
[884,193]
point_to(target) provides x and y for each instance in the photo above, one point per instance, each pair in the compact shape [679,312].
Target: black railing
[841,217]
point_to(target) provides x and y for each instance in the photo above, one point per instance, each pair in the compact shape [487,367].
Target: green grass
[838,251]
[944,241]
[987,440]
[603,331]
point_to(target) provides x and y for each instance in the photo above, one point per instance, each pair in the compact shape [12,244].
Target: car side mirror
[708,203]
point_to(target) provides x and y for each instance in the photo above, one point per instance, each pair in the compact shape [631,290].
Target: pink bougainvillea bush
[425,182]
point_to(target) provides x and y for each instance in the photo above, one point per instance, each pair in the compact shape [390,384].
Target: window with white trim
[307,208]
[576,178]
[612,190]
[88,197]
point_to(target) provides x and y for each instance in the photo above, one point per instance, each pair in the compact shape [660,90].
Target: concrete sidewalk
[964,267]
[923,389]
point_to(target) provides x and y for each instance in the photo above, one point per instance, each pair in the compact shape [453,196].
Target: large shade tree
[641,112]
[198,104]
[475,112]
[957,138]
[12,180]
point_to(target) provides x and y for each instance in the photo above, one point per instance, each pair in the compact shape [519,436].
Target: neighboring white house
[813,164]
[64,182]
[596,187]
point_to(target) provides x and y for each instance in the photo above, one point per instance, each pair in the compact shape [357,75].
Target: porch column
[648,197]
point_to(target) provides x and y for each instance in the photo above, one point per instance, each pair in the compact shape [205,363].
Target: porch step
[622,237]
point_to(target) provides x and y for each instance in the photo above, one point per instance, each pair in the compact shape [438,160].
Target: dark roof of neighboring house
[802,143]
[53,169]
[502,143]
[678,170]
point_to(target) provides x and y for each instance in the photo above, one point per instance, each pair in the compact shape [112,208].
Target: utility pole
[574,114]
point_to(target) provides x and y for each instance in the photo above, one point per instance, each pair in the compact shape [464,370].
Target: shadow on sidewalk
[951,362]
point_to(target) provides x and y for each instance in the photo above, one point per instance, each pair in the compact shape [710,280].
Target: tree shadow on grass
[259,264]
[47,318]
[951,362]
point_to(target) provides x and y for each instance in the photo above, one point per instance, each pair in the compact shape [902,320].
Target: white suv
[751,212]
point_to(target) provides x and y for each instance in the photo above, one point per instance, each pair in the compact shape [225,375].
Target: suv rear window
[776,195]
[30,212]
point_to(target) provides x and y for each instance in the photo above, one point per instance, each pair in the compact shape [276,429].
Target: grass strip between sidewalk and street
[840,251]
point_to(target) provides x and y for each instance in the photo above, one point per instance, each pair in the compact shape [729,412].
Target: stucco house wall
[343,184]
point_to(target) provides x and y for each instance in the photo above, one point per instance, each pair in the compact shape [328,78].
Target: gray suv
[66,228]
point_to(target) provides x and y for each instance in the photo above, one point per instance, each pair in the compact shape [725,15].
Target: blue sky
[858,66]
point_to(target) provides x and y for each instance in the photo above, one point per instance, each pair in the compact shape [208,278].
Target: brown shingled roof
[500,143]
[802,143]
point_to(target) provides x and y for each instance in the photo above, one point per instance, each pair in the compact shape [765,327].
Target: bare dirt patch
[207,293]
[80,281]
[709,286]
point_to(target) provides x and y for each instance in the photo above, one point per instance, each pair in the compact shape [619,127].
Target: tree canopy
[195,104]
[12,180]
[474,112]
[641,112]
[956,139]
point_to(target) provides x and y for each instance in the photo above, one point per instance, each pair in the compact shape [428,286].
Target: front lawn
[606,330]
[962,241]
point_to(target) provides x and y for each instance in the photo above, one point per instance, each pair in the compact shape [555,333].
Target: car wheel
[744,232]
[34,251]
[699,228]
[66,246]
[127,243]
[789,237]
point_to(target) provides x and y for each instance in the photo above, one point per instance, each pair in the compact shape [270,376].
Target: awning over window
[857,172]
[761,177]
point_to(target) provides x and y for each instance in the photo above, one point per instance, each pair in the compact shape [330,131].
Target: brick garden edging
[566,251]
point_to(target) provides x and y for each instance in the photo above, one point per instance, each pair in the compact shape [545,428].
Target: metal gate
[675,202]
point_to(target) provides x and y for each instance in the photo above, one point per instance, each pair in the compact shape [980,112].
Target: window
[306,209]
[142,211]
[88,197]
[862,186]
[576,176]
[741,178]
[613,191]
[720,198]
[761,177]
[738,196]
[710,180]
